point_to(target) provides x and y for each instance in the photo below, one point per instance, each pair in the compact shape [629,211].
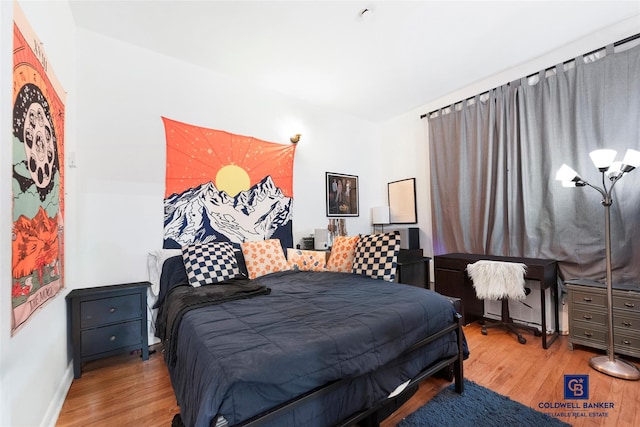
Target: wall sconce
[380,216]
[295,138]
[603,160]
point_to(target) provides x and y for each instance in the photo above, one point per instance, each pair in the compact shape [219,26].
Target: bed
[300,347]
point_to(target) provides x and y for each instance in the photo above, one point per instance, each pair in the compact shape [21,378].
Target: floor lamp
[604,161]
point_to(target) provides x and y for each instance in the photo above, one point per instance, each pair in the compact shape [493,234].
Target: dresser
[107,320]
[588,316]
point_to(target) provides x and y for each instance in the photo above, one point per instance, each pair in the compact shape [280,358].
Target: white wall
[34,361]
[122,93]
[117,94]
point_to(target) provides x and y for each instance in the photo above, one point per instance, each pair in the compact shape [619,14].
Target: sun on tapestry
[225,187]
[38,176]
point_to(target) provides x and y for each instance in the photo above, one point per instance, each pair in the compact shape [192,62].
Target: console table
[451,279]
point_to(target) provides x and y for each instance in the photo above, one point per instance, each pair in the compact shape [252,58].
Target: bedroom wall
[122,93]
[33,362]
[116,95]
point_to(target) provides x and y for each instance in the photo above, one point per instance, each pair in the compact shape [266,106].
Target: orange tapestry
[38,176]
[225,187]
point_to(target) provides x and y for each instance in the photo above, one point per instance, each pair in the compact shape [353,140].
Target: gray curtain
[494,160]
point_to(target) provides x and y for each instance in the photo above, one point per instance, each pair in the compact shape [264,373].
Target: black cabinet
[107,320]
[413,268]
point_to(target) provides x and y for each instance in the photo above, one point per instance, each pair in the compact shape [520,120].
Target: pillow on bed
[301,260]
[342,253]
[208,263]
[264,257]
[377,256]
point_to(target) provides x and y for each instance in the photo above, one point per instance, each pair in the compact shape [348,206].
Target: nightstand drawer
[109,310]
[107,338]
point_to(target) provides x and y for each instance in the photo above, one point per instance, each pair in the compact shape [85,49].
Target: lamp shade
[380,215]
[565,173]
[631,160]
[615,170]
[602,158]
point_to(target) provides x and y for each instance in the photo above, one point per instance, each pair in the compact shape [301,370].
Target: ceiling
[397,56]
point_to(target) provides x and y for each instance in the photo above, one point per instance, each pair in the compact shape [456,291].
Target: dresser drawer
[589,316]
[109,310]
[625,343]
[107,338]
[627,303]
[624,322]
[588,333]
[590,299]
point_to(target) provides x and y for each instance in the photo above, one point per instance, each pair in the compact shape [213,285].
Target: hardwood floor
[124,391]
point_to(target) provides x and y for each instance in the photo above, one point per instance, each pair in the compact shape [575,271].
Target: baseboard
[55,406]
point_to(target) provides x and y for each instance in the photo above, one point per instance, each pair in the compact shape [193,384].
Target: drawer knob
[626,342]
[588,316]
[112,310]
[588,334]
[629,304]
[627,324]
[113,338]
[587,299]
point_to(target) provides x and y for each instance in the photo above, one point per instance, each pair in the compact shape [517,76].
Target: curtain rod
[616,44]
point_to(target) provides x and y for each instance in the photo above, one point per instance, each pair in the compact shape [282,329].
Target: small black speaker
[409,237]
[413,238]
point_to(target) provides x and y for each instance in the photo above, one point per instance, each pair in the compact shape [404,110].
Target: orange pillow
[302,260]
[264,257]
[342,253]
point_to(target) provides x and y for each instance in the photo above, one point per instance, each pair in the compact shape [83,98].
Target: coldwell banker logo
[576,387]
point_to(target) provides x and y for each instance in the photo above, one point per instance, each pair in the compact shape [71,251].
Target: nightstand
[107,320]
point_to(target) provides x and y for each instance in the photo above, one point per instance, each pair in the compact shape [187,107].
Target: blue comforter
[241,358]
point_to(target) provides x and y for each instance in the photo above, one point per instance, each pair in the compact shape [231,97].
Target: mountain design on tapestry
[205,214]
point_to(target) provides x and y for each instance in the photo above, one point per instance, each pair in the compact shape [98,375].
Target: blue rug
[477,406]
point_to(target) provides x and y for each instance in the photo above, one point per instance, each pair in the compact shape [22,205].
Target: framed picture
[402,202]
[342,195]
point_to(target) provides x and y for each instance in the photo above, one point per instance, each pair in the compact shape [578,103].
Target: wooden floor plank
[124,390]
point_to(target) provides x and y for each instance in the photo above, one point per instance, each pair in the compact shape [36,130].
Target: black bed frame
[451,366]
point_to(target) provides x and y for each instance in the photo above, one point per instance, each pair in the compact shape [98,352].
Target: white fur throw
[496,279]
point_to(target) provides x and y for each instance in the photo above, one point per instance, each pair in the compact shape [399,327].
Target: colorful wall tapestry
[225,187]
[38,176]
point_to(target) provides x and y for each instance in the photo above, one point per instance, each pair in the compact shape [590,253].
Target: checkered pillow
[377,256]
[208,263]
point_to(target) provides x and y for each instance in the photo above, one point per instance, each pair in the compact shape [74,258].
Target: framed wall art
[402,201]
[342,194]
